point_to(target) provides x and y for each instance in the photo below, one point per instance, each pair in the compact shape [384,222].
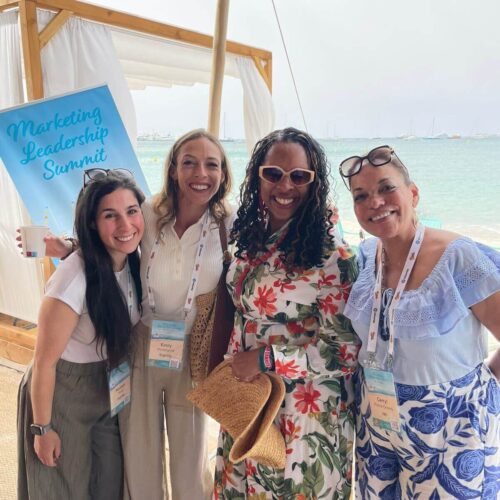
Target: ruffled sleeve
[359,305]
[476,270]
[466,274]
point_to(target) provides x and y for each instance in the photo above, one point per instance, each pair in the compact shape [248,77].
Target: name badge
[382,398]
[119,388]
[167,344]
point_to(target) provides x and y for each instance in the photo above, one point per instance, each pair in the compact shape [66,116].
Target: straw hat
[247,411]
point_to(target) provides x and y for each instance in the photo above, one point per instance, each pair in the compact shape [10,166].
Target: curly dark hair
[310,235]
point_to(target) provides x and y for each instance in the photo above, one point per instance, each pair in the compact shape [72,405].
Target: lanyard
[195,276]
[377,295]
[129,292]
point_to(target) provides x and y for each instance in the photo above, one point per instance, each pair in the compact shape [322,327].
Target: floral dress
[315,349]
[449,401]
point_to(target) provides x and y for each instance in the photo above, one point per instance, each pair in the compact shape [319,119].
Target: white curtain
[257,103]
[21,280]
[151,61]
[11,84]
[81,54]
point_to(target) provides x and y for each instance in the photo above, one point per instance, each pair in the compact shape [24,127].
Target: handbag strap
[224,310]
[226,255]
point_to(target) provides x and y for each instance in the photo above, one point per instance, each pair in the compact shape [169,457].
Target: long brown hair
[166,202]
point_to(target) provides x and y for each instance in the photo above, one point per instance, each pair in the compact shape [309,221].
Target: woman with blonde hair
[180,222]
[181,257]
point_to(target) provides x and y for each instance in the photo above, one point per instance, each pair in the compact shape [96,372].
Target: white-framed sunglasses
[298,176]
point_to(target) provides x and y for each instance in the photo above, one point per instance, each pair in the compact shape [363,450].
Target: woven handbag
[213,324]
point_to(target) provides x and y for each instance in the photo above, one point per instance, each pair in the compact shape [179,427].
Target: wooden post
[218,63]
[53,27]
[31,49]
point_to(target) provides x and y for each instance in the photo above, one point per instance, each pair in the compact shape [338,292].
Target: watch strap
[40,430]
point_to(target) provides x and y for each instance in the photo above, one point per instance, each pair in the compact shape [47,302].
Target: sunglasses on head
[298,176]
[381,155]
[94,174]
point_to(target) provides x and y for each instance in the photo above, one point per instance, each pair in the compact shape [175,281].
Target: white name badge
[167,344]
[382,398]
[119,388]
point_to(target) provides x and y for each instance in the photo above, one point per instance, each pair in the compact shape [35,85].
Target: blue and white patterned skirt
[448,448]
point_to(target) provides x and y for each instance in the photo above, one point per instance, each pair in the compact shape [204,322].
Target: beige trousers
[157,392]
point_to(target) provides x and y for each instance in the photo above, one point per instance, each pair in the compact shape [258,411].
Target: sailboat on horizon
[441,135]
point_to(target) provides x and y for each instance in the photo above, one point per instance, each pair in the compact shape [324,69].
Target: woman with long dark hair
[181,221]
[69,442]
[290,281]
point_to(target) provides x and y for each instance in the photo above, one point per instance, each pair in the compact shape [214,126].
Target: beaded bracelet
[266,359]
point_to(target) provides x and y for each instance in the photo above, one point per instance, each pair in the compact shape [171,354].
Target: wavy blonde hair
[166,202]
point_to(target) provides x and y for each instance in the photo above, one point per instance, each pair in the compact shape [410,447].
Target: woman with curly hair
[290,280]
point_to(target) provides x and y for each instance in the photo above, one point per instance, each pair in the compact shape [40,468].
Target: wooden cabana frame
[17,343]
[33,42]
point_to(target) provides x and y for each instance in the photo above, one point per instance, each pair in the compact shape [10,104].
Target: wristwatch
[40,430]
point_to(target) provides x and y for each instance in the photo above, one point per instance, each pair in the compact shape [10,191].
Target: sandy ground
[9,381]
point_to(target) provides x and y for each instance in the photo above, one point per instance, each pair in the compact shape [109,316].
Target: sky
[363,68]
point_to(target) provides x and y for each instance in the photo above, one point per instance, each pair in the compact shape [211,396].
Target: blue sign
[47,144]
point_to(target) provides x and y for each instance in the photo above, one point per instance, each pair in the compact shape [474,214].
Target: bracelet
[266,359]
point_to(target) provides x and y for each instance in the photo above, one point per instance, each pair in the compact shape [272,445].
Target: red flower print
[304,275]
[251,326]
[345,290]
[278,263]
[295,328]
[250,469]
[325,280]
[346,354]
[310,323]
[284,285]
[344,253]
[227,473]
[265,301]
[234,345]
[290,432]
[287,370]
[327,305]
[306,397]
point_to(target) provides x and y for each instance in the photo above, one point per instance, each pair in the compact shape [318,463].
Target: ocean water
[459,179]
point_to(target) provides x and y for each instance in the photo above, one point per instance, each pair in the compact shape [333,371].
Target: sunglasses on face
[298,176]
[94,174]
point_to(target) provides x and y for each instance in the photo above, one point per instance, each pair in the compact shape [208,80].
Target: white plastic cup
[32,240]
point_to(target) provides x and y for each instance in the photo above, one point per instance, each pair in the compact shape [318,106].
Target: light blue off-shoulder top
[438,339]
